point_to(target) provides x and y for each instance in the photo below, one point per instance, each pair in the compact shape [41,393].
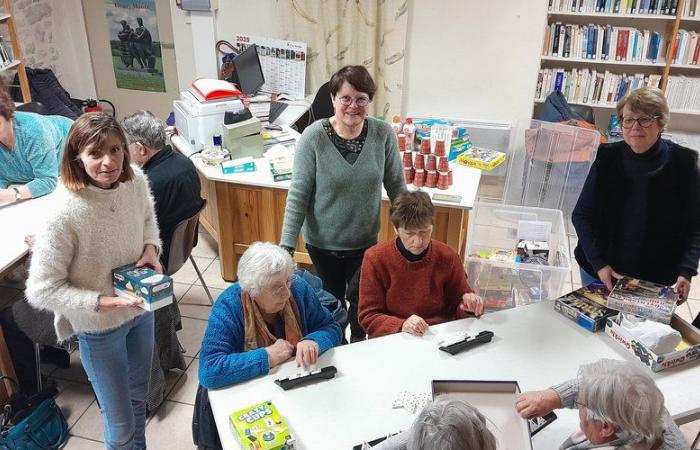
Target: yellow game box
[260,427]
[481,158]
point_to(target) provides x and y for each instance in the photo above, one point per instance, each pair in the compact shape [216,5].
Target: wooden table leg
[6,369]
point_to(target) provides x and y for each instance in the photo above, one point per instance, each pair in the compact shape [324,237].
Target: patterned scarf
[257,333]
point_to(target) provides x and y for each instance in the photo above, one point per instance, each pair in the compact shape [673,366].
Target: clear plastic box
[494,228]
[549,163]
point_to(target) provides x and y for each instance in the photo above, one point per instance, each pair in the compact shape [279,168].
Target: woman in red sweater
[413,282]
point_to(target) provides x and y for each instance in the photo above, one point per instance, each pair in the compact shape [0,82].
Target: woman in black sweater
[639,210]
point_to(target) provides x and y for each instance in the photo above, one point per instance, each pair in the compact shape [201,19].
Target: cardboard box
[260,427]
[154,288]
[251,145]
[585,306]
[496,401]
[689,349]
[240,165]
[644,299]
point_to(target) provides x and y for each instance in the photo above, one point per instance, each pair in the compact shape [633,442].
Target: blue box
[154,288]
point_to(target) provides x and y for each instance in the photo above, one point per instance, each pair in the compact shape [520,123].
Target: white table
[533,345]
[17,220]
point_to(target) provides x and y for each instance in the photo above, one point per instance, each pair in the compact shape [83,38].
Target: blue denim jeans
[118,364]
[587,278]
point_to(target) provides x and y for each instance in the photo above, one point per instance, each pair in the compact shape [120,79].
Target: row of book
[590,87]
[6,55]
[683,93]
[686,48]
[602,43]
[658,7]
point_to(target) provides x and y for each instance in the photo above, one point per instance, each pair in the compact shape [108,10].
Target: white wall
[465,59]
[473,59]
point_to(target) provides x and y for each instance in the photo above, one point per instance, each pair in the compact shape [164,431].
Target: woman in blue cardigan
[263,320]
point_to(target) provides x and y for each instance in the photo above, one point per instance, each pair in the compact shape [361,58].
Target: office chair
[585,111]
[183,240]
[34,107]
[321,108]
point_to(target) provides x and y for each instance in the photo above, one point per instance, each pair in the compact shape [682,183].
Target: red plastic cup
[431,179]
[431,164]
[419,178]
[407,159]
[402,142]
[408,173]
[450,179]
[443,181]
[443,165]
[425,147]
[440,147]
[419,163]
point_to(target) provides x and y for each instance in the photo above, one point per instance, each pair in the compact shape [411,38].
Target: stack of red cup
[425,146]
[419,178]
[443,180]
[431,178]
[402,142]
[419,163]
[431,164]
[440,148]
[408,171]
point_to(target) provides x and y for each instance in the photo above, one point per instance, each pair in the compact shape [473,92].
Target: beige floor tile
[90,425]
[78,443]
[74,373]
[186,388]
[187,274]
[200,312]
[197,296]
[694,307]
[690,430]
[191,335]
[180,289]
[212,276]
[206,246]
[695,288]
[73,399]
[684,312]
[171,427]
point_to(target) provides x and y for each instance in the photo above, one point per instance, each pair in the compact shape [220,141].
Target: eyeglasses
[360,102]
[644,122]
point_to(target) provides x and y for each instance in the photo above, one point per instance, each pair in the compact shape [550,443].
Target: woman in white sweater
[104,219]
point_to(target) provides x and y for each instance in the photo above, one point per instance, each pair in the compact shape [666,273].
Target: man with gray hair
[620,408]
[444,424]
[175,185]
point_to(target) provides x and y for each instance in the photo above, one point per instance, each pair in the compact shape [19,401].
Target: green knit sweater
[338,202]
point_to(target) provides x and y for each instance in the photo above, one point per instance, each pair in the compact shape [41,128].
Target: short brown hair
[7,105]
[90,129]
[647,100]
[357,76]
[411,210]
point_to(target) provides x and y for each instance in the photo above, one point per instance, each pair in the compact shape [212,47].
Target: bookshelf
[634,70]
[7,18]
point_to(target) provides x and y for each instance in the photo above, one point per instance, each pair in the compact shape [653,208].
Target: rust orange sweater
[393,288]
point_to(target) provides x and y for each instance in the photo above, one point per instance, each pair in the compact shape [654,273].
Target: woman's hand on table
[307,353]
[537,403]
[472,303]
[7,195]
[682,287]
[415,325]
[607,275]
[279,352]
[30,239]
[107,303]
[149,258]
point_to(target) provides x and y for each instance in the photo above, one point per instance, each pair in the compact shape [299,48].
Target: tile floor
[170,426]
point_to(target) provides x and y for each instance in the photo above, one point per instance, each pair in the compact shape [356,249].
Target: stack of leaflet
[281,160]
[275,137]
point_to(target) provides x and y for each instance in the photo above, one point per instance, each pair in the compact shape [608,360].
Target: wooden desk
[248,207]
[533,345]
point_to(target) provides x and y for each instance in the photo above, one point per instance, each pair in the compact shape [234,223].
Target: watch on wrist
[18,196]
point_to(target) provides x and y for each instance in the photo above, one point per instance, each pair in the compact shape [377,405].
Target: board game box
[644,299]
[260,427]
[481,158]
[586,306]
[156,289]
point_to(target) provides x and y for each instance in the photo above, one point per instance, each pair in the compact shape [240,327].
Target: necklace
[115,197]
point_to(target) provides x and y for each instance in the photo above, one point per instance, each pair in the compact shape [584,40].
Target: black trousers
[696,322]
[337,269]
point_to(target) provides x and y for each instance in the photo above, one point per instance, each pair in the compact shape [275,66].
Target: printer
[198,121]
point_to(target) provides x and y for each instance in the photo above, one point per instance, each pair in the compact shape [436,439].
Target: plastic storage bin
[495,228]
[549,163]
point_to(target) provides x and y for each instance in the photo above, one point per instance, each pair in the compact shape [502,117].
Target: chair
[34,107]
[585,111]
[181,244]
[321,108]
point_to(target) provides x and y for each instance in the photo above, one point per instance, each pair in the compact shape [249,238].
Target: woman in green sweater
[340,166]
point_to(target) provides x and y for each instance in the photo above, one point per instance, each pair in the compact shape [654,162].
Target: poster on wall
[135,44]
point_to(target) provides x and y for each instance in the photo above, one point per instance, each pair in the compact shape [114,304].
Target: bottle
[396,126]
[410,131]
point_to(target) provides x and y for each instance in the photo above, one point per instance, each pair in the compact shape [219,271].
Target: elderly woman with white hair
[444,424]
[263,320]
[619,405]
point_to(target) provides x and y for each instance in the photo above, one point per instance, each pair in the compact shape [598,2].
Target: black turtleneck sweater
[407,254]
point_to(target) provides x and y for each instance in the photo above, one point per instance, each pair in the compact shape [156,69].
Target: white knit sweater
[91,232]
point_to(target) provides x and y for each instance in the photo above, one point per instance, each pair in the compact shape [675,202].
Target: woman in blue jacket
[263,320]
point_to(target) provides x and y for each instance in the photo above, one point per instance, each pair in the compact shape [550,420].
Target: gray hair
[144,127]
[450,424]
[625,396]
[261,261]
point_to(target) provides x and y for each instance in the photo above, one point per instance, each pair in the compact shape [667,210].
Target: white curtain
[341,32]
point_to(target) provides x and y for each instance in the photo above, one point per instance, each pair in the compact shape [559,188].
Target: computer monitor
[247,70]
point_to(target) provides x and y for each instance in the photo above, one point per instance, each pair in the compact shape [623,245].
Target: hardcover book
[644,299]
